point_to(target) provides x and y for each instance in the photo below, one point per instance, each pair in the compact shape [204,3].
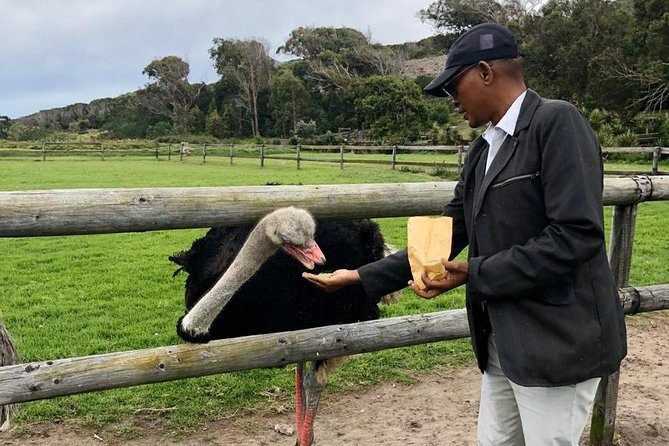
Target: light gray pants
[513,415]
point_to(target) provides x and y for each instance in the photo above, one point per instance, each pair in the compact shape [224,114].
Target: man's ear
[485,71]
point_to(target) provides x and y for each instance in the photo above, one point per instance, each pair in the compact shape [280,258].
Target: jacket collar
[530,104]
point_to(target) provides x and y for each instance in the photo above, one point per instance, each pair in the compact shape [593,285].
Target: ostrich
[7,357]
[261,289]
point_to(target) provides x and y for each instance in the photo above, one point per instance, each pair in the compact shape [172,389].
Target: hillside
[96,111]
[428,66]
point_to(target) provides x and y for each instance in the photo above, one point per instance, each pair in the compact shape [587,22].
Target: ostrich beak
[308,257]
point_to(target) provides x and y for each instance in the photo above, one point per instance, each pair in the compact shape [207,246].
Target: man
[543,309]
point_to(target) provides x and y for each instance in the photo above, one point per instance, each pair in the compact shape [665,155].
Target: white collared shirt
[495,135]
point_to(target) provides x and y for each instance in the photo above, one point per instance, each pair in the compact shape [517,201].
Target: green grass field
[84,295]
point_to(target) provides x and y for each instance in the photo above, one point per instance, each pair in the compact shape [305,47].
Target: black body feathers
[277,298]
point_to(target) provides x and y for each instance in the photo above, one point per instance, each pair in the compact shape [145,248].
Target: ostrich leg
[299,400]
[313,383]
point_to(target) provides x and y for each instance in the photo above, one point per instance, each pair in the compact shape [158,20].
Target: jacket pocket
[527,176]
[562,293]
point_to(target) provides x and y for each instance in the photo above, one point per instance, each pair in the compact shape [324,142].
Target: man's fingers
[426,293]
[429,282]
[455,266]
[315,280]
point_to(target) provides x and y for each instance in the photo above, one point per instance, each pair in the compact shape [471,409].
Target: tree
[456,16]
[247,64]
[580,68]
[215,125]
[129,118]
[24,132]
[288,102]
[646,65]
[390,107]
[335,57]
[170,94]
[5,123]
[308,42]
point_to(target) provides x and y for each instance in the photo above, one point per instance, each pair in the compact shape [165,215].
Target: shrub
[410,169]
[305,129]
[441,171]
[24,132]
[663,130]
[627,139]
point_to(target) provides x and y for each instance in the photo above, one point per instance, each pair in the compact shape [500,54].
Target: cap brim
[436,87]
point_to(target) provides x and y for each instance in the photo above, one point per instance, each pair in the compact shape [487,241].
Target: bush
[606,136]
[190,138]
[162,128]
[409,169]
[328,138]
[441,171]
[24,132]
[627,139]
[663,130]
[305,129]
[444,135]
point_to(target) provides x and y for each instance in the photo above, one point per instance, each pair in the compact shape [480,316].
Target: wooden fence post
[204,152]
[43,151]
[621,243]
[298,155]
[341,156]
[262,155]
[460,150]
[656,160]
[102,151]
[394,156]
[156,151]
[231,152]
[181,151]
[169,152]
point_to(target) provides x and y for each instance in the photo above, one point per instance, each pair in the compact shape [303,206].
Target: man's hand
[457,274]
[331,282]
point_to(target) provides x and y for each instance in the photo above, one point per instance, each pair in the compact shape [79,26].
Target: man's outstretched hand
[331,282]
[457,274]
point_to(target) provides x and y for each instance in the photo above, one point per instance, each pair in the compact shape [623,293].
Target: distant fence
[339,154]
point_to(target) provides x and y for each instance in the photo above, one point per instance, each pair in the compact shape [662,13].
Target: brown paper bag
[429,241]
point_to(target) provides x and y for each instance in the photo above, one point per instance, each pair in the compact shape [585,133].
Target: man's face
[470,96]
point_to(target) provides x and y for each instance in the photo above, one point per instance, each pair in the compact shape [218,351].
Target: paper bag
[429,241]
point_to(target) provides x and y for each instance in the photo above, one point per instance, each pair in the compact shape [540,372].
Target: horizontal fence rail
[48,379]
[98,211]
[103,150]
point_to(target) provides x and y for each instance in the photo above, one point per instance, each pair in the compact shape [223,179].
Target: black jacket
[538,270]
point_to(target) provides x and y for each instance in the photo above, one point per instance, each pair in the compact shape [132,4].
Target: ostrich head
[293,229]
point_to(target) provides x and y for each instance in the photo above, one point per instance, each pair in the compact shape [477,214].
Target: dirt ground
[439,409]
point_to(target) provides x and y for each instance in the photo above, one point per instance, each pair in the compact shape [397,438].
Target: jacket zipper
[529,176]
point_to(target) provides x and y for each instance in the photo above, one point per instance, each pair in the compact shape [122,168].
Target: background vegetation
[610,57]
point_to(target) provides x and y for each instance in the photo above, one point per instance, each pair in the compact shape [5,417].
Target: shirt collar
[508,122]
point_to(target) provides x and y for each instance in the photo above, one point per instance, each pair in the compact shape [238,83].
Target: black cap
[487,41]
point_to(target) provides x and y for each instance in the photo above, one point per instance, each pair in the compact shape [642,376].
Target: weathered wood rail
[94,211]
[59,377]
[98,211]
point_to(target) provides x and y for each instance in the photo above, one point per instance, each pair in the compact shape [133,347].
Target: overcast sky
[56,53]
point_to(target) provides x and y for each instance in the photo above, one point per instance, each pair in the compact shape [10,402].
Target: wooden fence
[388,155]
[92,211]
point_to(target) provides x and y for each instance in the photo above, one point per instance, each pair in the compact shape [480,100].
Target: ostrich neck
[256,250]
